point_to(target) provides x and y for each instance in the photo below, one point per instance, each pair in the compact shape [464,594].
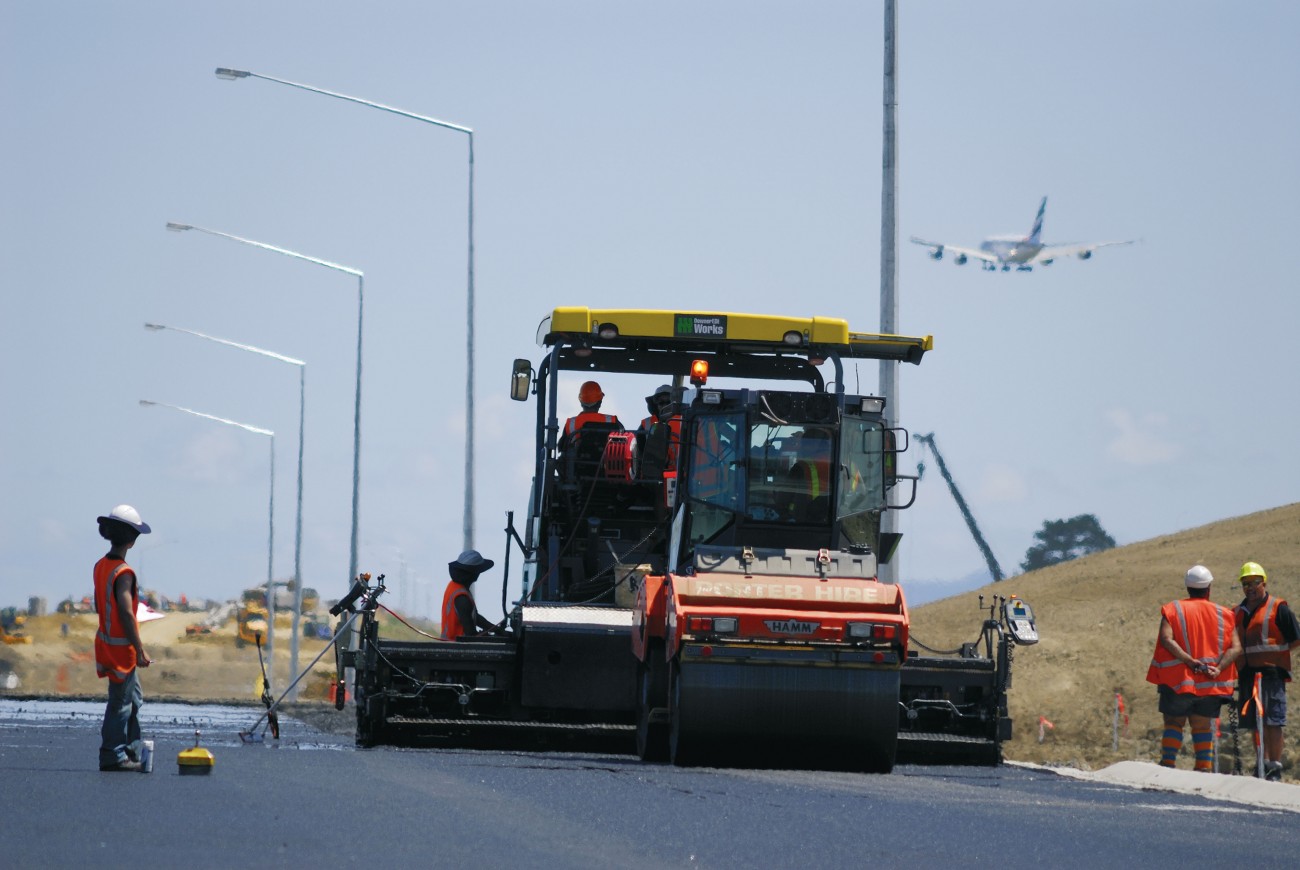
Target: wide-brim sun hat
[127,515]
[471,561]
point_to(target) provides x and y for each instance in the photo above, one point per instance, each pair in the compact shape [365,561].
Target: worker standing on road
[590,395]
[460,615]
[1194,667]
[118,650]
[1268,631]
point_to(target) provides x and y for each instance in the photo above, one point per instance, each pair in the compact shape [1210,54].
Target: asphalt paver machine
[706,585]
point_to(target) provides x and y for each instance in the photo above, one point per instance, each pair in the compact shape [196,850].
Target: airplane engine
[1087,255]
[1047,262]
[960,259]
[936,254]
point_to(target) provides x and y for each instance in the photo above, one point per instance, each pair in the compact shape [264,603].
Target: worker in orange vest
[1194,667]
[118,649]
[661,406]
[1268,631]
[811,473]
[460,615]
[590,395]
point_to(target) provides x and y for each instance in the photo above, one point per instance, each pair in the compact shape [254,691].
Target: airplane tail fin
[1035,235]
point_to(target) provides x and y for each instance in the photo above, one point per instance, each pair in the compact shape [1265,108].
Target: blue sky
[717,155]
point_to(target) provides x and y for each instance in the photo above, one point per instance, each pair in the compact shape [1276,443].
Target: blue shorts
[1272,694]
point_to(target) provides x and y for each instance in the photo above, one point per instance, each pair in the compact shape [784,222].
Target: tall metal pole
[297,539]
[270,578]
[889,252]
[468,519]
[356,437]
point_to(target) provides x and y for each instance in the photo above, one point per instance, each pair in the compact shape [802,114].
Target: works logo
[690,325]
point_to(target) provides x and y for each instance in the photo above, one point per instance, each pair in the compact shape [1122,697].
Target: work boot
[124,764]
[1273,771]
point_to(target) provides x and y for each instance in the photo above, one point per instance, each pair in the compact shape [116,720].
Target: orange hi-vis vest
[114,651]
[816,471]
[1204,629]
[573,424]
[451,627]
[1264,644]
[674,425]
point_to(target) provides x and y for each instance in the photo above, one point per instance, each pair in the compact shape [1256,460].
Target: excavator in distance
[995,570]
[706,587]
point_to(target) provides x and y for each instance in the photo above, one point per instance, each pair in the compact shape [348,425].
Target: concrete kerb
[1257,793]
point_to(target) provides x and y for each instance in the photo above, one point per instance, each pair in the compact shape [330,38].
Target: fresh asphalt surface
[314,800]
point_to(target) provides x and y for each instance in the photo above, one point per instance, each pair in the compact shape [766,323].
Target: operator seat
[582,452]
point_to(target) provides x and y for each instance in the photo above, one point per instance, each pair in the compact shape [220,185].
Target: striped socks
[1169,746]
[1203,743]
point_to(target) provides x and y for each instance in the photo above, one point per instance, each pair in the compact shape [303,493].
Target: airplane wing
[145,613]
[1082,251]
[939,248]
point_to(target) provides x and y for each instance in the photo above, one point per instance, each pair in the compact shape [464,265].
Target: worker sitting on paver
[810,476]
[661,431]
[590,396]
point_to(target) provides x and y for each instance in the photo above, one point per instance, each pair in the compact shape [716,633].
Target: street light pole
[270,540]
[468,519]
[356,414]
[297,535]
[889,251]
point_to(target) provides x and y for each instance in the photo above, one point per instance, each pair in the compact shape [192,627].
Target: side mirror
[521,380]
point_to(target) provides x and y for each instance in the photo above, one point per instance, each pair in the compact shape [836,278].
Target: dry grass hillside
[1098,616]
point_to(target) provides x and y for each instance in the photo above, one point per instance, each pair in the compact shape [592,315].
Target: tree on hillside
[1063,540]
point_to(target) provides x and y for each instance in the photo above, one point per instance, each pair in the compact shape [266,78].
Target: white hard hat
[124,513]
[1199,577]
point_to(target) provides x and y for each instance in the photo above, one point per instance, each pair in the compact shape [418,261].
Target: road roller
[702,585]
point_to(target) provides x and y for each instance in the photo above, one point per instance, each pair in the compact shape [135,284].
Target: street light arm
[171,225]
[248,347]
[232,74]
[247,428]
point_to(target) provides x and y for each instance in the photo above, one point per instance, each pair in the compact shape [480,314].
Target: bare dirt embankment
[1097,617]
[209,667]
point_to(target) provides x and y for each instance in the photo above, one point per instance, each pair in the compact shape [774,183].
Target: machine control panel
[1019,618]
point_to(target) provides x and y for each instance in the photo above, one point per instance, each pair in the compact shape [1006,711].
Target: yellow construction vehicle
[251,622]
[11,622]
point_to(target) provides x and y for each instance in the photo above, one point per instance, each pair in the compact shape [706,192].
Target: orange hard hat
[590,393]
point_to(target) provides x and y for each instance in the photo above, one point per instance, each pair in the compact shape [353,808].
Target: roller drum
[784,715]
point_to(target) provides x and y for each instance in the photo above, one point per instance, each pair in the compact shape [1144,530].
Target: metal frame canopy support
[356,413]
[468,519]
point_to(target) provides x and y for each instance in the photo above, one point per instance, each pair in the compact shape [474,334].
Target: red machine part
[619,456]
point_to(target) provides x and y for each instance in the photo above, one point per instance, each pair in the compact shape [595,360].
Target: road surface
[313,800]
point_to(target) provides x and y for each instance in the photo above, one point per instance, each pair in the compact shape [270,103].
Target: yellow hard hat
[1253,569]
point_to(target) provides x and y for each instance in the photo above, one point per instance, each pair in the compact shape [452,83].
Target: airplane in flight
[1021,253]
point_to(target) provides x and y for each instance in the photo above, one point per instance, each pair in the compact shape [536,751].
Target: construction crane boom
[989,558]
